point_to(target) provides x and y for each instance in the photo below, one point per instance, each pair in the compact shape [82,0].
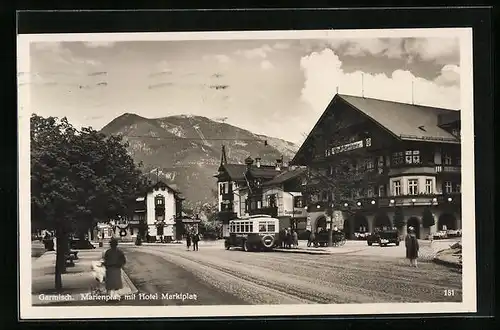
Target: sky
[275,87]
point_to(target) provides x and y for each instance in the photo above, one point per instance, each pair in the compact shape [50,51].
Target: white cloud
[450,75]
[221,58]
[97,44]
[260,52]
[57,52]
[281,45]
[266,65]
[323,74]
[427,49]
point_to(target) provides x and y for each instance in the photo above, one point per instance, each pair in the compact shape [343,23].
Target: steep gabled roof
[285,176]
[403,121]
[237,171]
[161,184]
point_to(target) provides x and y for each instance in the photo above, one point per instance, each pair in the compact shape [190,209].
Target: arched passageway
[321,223]
[447,221]
[360,223]
[415,223]
[381,221]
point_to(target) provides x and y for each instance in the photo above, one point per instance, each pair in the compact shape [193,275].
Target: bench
[70,258]
[73,254]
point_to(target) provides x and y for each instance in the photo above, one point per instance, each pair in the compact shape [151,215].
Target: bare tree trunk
[61,247]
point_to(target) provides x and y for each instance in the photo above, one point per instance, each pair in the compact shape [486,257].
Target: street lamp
[358,203]
[373,202]
[392,201]
[450,199]
[346,205]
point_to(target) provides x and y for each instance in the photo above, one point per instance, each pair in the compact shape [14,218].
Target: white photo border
[469,294]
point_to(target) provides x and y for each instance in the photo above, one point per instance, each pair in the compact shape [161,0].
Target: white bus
[253,233]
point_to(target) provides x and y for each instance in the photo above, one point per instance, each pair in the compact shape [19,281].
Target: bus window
[247,227]
[262,227]
[271,227]
[250,227]
[238,227]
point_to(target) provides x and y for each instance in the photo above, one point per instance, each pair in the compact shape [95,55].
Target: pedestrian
[196,239]
[411,243]
[114,260]
[188,241]
[295,237]
[282,238]
[289,238]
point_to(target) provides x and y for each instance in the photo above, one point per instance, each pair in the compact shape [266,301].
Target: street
[219,277]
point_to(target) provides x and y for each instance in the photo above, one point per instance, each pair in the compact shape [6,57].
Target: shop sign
[350,146]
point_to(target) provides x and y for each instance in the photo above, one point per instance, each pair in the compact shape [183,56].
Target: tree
[399,218]
[427,218]
[77,179]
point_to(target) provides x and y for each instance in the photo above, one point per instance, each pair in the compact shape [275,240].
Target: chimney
[257,161]
[279,162]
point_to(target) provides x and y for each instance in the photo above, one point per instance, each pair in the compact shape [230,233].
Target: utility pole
[157,175]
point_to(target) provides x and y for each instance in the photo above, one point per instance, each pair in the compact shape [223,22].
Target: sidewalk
[77,282]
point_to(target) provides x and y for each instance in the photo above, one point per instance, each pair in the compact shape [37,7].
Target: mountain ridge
[186,149]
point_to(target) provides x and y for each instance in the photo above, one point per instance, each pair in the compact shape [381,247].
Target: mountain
[185,150]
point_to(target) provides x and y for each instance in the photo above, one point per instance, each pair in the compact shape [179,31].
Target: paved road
[218,276]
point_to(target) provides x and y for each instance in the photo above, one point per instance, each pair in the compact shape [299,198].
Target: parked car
[383,238]
[78,244]
[361,236]
[440,235]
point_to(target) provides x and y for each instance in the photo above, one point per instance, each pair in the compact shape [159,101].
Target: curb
[304,251]
[127,281]
[450,264]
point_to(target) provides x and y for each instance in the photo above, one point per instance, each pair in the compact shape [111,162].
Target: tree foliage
[427,218]
[79,177]
[399,218]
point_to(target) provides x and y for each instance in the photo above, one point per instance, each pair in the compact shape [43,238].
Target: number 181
[449,293]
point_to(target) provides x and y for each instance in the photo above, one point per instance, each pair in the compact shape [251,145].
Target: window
[396,188]
[262,227]
[247,227]
[159,200]
[458,188]
[259,204]
[428,186]
[271,200]
[370,166]
[381,191]
[412,187]
[369,192]
[448,188]
[250,227]
[380,162]
[397,158]
[447,159]
[271,227]
[412,156]
[298,202]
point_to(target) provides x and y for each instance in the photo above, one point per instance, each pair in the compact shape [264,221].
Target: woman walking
[188,241]
[411,243]
[114,260]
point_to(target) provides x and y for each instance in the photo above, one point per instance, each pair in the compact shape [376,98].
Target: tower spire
[223,157]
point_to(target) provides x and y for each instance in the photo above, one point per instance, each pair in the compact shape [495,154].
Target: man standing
[196,239]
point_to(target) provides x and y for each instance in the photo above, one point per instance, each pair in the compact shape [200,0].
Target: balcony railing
[448,169]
